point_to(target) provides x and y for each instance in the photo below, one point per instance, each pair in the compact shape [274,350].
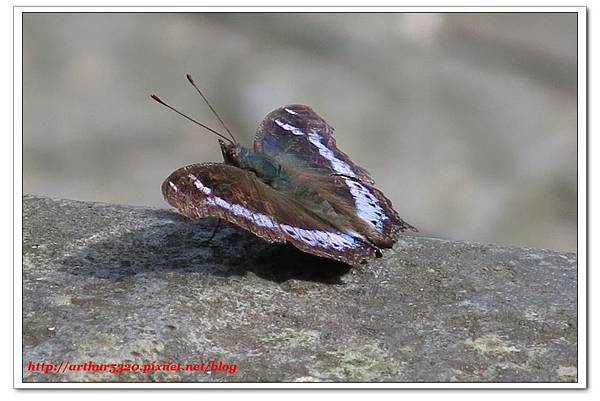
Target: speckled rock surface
[124,285]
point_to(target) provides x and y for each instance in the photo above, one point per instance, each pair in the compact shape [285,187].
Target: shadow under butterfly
[295,186]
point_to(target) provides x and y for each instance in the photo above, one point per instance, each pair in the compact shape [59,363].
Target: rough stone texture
[117,284]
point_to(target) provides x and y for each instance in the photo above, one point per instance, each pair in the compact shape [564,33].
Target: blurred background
[466,121]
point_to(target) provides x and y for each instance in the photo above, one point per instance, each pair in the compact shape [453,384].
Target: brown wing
[236,195]
[299,138]
[365,208]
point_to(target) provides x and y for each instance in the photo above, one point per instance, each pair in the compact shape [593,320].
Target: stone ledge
[119,284]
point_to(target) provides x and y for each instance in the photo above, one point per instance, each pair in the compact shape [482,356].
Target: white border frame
[581,199]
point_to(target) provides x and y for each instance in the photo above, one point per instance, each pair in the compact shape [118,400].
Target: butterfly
[293,186]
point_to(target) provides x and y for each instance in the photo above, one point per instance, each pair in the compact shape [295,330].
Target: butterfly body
[266,169]
[293,186]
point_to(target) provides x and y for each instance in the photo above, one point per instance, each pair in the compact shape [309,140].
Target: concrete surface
[119,284]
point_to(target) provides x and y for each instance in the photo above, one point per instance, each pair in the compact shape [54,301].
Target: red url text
[116,368]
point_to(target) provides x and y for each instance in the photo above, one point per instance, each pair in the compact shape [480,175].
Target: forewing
[236,195]
[298,138]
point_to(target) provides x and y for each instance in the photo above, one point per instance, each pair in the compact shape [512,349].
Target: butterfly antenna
[189,78]
[153,96]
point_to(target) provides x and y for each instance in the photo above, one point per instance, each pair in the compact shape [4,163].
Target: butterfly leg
[207,241]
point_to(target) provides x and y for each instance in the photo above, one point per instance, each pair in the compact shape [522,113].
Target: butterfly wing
[236,195]
[301,141]
[297,137]
[365,207]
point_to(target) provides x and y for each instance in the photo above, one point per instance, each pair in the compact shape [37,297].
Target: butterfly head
[231,153]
